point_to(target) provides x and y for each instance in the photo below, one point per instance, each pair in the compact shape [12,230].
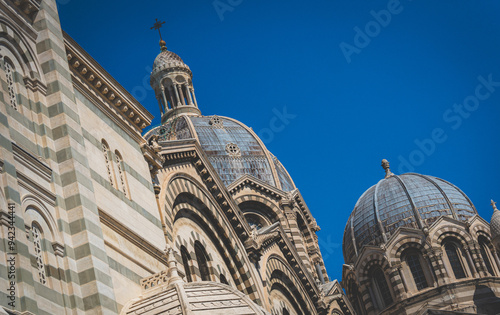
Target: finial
[385,165]
[494,205]
[172,273]
[163,45]
[157,26]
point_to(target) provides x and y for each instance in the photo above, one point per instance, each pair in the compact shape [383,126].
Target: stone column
[178,100]
[431,270]
[397,275]
[473,268]
[159,104]
[164,98]
[189,96]
[194,97]
[442,273]
[180,94]
[320,273]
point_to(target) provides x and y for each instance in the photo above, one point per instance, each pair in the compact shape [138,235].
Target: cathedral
[196,216]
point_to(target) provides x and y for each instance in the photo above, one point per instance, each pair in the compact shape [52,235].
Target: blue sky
[415,82]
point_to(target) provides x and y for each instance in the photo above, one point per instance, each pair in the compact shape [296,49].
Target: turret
[171,79]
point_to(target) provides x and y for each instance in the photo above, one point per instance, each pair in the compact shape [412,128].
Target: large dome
[232,148]
[409,200]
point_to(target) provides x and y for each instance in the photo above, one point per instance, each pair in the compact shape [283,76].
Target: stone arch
[12,38]
[183,192]
[281,295]
[363,273]
[190,212]
[35,210]
[401,245]
[352,289]
[451,230]
[39,222]
[489,263]
[267,207]
[122,180]
[279,308]
[369,261]
[186,262]
[480,229]
[334,311]
[280,274]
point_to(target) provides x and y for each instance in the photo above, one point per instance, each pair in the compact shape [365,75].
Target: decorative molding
[28,8]
[35,85]
[132,237]
[32,163]
[117,99]
[255,184]
[36,189]
[58,249]
[180,151]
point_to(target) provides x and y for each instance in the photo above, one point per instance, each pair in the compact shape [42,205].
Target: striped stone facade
[95,202]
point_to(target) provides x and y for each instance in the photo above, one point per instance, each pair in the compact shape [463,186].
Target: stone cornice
[305,210]
[35,85]
[36,189]
[114,96]
[32,163]
[299,268]
[133,238]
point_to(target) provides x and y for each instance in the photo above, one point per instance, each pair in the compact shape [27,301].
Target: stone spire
[386,167]
[495,224]
[172,272]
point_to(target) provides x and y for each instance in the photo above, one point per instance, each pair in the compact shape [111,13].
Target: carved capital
[58,249]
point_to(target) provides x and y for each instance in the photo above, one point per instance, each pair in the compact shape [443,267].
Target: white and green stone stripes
[89,253]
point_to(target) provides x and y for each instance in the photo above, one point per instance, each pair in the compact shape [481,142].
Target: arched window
[485,254]
[454,258]
[381,288]
[36,232]
[202,259]
[354,297]
[9,74]
[185,261]
[414,261]
[107,160]
[223,279]
[121,173]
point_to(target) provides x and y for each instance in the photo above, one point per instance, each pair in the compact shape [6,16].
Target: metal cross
[157,26]
[493,204]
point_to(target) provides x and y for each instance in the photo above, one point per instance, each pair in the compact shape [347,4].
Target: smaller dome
[193,298]
[166,293]
[495,222]
[167,59]
[409,200]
